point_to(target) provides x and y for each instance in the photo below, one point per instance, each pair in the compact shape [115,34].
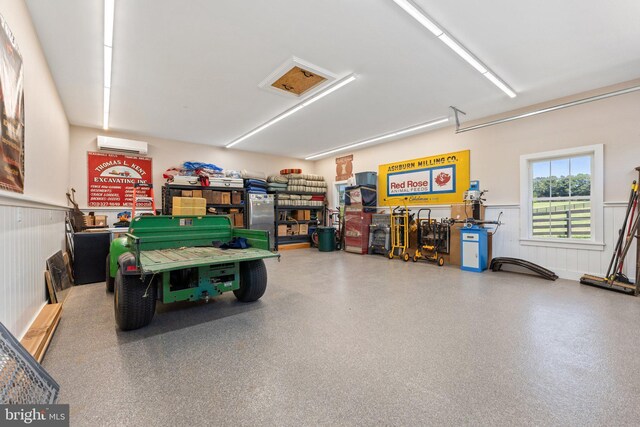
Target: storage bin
[326,239]
[367,178]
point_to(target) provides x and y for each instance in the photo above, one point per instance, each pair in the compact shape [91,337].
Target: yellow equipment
[433,239]
[400,220]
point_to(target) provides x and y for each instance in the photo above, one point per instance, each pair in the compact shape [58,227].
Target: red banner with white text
[111,178]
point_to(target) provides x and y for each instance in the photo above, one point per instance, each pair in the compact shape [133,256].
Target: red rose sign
[111,178]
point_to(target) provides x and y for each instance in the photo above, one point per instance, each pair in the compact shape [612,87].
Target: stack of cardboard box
[189,205]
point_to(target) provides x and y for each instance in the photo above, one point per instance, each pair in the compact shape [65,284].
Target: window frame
[336,193]
[596,242]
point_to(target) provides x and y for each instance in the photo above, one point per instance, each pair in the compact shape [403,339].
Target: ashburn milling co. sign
[111,178]
[438,179]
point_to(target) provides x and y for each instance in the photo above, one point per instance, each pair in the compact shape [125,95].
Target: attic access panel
[298,80]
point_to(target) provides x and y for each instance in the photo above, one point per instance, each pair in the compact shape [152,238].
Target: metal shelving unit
[173,190]
[296,238]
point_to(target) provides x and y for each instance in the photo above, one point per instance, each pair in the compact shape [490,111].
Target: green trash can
[326,239]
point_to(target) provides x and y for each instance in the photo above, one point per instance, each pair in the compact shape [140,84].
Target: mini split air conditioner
[123,145]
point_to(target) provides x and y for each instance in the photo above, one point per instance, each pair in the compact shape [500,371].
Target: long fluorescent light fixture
[447,39]
[380,138]
[109,11]
[340,83]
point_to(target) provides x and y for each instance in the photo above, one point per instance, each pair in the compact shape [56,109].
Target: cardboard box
[100,220]
[199,210]
[198,202]
[214,197]
[301,215]
[304,229]
[187,193]
[182,210]
[464,211]
[234,210]
[206,194]
[197,193]
[226,198]
[236,198]
[182,202]
[282,230]
[89,220]
[238,220]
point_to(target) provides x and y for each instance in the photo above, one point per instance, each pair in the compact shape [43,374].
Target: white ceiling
[189,70]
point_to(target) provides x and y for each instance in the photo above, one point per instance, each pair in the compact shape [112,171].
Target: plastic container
[326,239]
[367,178]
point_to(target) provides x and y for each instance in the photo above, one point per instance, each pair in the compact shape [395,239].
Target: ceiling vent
[297,78]
[122,145]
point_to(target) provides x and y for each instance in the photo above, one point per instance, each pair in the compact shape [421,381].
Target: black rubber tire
[109,281]
[134,301]
[405,256]
[440,262]
[253,281]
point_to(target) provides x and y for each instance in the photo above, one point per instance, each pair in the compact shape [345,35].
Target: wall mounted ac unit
[123,145]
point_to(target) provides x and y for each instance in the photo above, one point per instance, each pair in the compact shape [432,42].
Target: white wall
[168,153]
[32,224]
[495,156]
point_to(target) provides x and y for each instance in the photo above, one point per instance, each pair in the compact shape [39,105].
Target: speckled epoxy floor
[342,339]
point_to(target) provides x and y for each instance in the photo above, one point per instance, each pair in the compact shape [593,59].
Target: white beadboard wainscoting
[30,234]
[566,263]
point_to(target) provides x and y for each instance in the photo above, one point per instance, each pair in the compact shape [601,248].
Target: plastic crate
[367,178]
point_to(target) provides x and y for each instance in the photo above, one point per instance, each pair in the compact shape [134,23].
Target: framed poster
[12,114]
[111,178]
[440,179]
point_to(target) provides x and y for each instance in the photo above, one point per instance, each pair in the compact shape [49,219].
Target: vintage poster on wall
[111,178]
[12,115]
[344,167]
[440,179]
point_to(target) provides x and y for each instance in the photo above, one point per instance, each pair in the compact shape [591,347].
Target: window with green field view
[561,196]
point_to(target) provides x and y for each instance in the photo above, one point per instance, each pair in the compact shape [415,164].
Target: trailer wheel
[134,301]
[440,261]
[415,258]
[108,279]
[253,281]
[405,256]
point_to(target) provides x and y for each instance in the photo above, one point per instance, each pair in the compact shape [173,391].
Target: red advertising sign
[111,178]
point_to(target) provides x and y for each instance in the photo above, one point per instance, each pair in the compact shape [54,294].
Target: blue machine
[474,248]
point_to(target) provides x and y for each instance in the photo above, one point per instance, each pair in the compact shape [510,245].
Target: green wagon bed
[159,260]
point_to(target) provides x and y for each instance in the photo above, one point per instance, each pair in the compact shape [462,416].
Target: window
[340,189]
[561,197]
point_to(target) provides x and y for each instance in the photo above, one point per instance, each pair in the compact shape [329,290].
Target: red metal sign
[111,178]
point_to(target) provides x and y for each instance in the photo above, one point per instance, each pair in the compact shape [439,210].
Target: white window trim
[336,193]
[596,243]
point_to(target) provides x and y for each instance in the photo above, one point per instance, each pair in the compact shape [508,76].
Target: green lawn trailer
[178,258]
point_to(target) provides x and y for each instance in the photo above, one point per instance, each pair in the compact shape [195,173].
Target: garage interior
[391,212]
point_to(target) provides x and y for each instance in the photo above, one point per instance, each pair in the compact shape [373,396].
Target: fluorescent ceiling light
[460,50]
[419,16]
[496,81]
[109,13]
[105,109]
[463,53]
[107,66]
[340,83]
[109,10]
[379,138]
